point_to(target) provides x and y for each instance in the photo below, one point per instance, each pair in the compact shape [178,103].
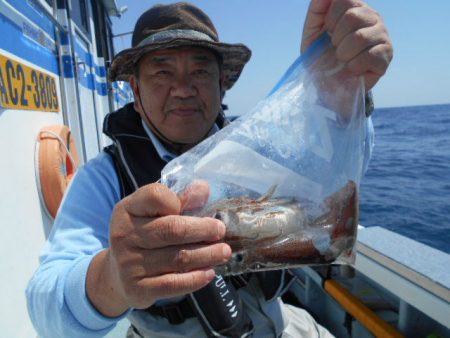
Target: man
[119,246]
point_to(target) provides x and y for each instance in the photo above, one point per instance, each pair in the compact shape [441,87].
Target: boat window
[101,30]
[79,14]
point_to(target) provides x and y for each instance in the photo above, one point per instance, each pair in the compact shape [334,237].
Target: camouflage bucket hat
[173,26]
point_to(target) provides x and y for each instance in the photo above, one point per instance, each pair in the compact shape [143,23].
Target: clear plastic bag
[284,178]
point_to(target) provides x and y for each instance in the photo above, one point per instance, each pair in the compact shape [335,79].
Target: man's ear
[135,88]
[221,86]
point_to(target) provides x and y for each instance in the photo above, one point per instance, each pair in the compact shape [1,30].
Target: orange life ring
[58,161]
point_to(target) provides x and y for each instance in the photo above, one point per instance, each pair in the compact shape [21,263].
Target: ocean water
[407,186]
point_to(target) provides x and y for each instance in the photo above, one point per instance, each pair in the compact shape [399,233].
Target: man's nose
[183,86]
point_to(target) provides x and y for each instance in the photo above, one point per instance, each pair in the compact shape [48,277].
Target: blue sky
[419,73]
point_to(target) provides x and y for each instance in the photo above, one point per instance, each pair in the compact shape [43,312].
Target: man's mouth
[184,111]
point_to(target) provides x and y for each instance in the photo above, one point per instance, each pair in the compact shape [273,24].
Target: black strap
[175,313]
[220,310]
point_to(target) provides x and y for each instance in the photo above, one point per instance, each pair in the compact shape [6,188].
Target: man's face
[179,92]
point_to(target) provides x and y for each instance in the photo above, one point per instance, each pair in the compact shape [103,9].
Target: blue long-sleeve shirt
[57,301]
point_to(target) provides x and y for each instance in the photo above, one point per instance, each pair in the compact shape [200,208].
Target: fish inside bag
[284,177]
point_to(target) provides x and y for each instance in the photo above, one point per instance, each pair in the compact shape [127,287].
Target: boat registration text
[23,87]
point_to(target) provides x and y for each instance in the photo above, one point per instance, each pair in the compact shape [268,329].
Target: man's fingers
[171,285]
[158,200]
[360,38]
[359,41]
[186,258]
[318,6]
[353,20]
[152,200]
[337,10]
[176,230]
[372,63]
[315,22]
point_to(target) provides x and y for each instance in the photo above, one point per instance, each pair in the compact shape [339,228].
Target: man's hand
[357,32]
[155,252]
